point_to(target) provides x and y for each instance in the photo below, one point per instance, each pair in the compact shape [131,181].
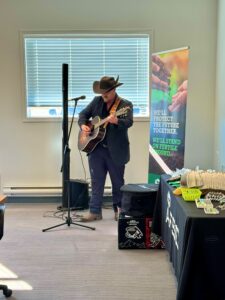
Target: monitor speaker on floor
[79,194]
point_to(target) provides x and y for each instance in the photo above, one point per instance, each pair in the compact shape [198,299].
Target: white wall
[30,153]
[219,153]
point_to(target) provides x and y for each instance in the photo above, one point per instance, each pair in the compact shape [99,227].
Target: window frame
[67,34]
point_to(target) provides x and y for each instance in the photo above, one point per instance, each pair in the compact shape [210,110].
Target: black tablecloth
[196,244]
[2,208]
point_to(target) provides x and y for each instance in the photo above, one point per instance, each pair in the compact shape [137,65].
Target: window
[89,57]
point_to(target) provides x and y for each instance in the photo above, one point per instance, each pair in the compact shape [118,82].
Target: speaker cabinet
[79,195]
[138,200]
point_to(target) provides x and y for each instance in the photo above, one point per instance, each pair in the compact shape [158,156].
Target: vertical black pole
[66,155]
[65,146]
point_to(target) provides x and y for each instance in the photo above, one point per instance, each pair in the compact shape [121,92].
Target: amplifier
[79,195]
[138,199]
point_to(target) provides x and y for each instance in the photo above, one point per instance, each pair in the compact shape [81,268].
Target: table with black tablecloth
[6,291]
[2,208]
[195,242]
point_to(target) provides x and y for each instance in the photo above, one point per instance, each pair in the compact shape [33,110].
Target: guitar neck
[117,113]
[100,123]
[103,121]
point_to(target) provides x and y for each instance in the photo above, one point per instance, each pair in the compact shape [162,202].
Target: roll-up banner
[169,81]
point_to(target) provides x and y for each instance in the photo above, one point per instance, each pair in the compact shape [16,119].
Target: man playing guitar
[109,151]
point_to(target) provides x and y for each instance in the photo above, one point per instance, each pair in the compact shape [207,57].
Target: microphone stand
[65,169]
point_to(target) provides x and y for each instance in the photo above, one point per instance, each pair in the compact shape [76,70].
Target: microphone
[77,98]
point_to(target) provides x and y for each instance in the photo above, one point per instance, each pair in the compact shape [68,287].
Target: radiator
[16,191]
[32,191]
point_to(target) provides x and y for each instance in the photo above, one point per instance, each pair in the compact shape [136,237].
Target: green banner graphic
[169,83]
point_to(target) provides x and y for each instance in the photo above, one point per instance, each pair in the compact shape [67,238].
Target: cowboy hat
[106,84]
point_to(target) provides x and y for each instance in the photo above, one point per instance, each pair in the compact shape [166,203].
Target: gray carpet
[77,263]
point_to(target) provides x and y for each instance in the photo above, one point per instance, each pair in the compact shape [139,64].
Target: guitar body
[88,141]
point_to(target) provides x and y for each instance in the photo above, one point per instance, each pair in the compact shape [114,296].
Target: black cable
[82,162]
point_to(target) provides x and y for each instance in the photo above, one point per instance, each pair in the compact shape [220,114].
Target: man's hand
[85,128]
[112,118]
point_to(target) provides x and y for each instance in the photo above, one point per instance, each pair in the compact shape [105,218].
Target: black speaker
[79,195]
[138,200]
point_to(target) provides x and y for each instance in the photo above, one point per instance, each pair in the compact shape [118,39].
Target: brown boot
[91,217]
[116,215]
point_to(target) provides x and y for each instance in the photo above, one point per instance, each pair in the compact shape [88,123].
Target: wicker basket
[190,194]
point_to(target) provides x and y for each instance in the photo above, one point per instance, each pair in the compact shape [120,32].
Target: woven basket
[190,194]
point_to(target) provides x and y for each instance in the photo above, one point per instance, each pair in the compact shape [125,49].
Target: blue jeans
[100,163]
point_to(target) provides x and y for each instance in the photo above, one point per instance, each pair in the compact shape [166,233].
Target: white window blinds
[89,58]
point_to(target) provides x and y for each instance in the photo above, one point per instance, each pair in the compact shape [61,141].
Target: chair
[6,291]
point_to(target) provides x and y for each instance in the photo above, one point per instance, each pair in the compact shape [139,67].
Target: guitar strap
[113,108]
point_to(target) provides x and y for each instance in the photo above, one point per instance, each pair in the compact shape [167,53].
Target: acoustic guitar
[87,141]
